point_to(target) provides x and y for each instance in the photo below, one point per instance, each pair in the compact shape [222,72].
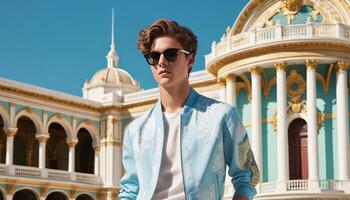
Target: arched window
[26,146]
[56,196]
[57,151]
[84,153]
[24,194]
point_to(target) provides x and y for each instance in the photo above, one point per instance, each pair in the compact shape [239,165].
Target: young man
[179,149]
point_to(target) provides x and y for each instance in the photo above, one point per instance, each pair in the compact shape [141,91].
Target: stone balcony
[276,35]
[305,189]
[16,171]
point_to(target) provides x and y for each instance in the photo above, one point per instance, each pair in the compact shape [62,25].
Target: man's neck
[173,99]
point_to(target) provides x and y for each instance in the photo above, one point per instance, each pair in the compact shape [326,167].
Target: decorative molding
[248,86]
[11,132]
[10,188]
[73,193]
[291,8]
[72,143]
[295,78]
[311,63]
[342,66]
[280,66]
[255,70]
[42,138]
[43,191]
[298,107]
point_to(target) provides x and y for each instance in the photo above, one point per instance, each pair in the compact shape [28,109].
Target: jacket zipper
[182,168]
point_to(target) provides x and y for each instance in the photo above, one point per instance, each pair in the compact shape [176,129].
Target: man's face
[171,73]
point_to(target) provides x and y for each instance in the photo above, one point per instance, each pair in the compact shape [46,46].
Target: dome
[112,75]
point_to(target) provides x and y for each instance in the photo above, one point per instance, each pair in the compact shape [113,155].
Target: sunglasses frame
[165,55]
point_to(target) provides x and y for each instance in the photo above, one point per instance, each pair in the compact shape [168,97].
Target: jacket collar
[189,104]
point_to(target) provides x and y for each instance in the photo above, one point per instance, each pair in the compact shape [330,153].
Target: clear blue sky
[59,44]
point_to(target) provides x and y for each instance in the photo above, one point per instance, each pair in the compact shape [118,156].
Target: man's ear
[191,60]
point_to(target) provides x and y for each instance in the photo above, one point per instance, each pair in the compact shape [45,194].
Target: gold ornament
[295,79]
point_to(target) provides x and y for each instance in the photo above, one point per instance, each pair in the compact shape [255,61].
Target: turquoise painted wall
[327,136]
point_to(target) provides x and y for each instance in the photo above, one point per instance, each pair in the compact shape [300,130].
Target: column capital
[280,66]
[342,66]
[96,147]
[72,143]
[10,132]
[255,70]
[230,77]
[42,138]
[311,63]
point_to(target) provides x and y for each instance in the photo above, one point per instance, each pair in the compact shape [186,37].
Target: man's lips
[163,71]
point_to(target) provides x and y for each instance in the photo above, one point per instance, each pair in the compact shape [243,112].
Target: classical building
[283,64]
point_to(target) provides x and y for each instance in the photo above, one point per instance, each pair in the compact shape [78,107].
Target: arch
[92,130]
[298,149]
[58,191]
[36,193]
[57,118]
[293,116]
[84,153]
[27,112]
[5,117]
[58,147]
[85,194]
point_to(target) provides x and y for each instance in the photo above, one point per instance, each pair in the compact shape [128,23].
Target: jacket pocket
[217,186]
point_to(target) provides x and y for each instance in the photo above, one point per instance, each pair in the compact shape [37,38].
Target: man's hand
[239,198]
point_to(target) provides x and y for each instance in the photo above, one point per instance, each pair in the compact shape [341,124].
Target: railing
[297,185]
[51,174]
[335,186]
[331,185]
[276,33]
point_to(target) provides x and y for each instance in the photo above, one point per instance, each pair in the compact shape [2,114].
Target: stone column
[71,162]
[42,138]
[282,133]
[312,124]
[97,160]
[10,136]
[222,91]
[231,89]
[256,116]
[343,121]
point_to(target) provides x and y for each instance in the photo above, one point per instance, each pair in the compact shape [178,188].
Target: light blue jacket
[212,136]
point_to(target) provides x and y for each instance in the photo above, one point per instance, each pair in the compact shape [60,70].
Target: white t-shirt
[170,184]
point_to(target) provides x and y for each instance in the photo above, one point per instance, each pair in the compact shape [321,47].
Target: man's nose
[162,60]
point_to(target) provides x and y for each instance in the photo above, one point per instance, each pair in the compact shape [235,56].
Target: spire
[112,56]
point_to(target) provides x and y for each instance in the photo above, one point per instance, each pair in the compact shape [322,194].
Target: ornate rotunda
[285,65]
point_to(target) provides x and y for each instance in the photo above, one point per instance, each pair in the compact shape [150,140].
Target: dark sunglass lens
[170,54]
[153,58]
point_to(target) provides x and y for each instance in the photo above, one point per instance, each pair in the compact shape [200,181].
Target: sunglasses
[169,54]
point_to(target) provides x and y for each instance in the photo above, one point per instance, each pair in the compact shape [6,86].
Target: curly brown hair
[164,27]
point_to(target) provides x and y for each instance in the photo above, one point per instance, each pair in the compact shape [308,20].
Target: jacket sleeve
[239,157]
[129,184]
